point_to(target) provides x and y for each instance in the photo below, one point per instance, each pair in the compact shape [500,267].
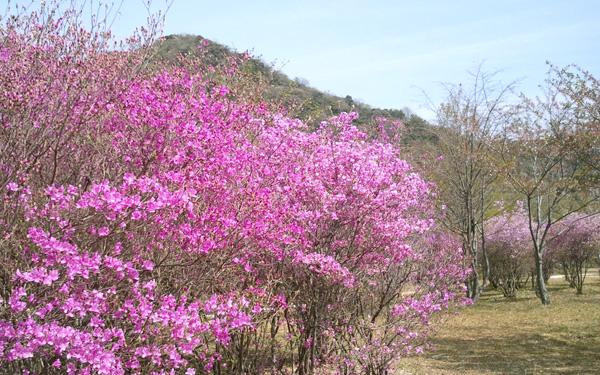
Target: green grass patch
[519,336]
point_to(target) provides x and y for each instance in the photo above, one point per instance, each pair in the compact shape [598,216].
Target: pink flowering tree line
[573,246]
[165,219]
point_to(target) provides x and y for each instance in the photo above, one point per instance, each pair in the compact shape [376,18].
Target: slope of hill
[303,101]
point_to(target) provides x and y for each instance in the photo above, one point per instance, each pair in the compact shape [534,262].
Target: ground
[519,336]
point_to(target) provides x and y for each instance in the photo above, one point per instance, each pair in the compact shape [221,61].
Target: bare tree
[465,125]
[541,156]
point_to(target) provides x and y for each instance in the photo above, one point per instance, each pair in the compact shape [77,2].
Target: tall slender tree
[467,122]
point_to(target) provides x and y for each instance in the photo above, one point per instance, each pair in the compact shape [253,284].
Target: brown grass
[519,336]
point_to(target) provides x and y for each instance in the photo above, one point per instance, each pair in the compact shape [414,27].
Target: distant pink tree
[508,242]
[576,247]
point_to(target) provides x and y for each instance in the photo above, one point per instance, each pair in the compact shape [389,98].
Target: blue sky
[386,52]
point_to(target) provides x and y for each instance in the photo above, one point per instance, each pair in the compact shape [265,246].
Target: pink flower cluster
[155,221]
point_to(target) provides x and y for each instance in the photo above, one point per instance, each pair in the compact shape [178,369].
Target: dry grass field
[520,336]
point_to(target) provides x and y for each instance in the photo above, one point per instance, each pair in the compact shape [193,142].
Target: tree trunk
[473,290]
[541,290]
[486,259]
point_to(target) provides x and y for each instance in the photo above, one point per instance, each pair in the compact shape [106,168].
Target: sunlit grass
[519,336]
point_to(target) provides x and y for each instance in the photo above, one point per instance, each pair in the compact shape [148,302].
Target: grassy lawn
[520,336]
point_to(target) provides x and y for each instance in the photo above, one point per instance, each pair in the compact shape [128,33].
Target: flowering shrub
[157,221]
[576,246]
[509,251]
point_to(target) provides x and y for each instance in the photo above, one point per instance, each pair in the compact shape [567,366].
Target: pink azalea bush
[509,250]
[576,247]
[165,219]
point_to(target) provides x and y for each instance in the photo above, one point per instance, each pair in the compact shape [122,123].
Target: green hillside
[305,102]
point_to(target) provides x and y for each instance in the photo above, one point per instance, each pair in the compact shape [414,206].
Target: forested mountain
[305,102]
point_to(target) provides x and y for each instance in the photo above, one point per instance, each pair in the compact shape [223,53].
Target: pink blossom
[12,186]
[229,218]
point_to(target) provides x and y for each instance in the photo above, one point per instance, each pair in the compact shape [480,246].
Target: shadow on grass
[501,335]
[520,336]
[504,300]
[520,354]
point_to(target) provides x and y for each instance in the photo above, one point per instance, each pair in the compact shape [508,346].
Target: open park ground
[519,336]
